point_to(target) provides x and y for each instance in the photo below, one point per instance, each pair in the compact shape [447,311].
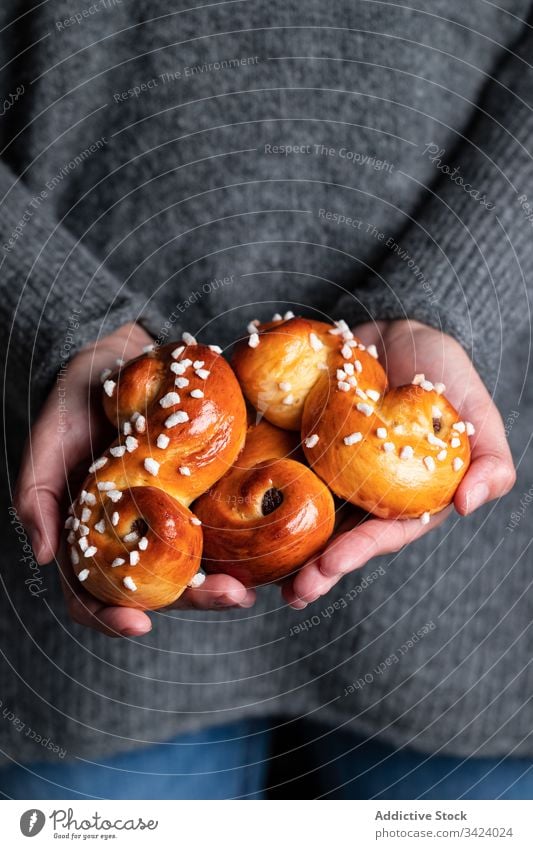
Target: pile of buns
[197,477]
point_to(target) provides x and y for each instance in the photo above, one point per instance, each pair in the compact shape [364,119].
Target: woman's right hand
[61,446]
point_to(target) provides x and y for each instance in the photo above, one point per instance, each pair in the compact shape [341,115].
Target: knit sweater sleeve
[56,296]
[464,262]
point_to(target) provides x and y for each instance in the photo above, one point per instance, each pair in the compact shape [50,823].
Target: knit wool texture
[148,176]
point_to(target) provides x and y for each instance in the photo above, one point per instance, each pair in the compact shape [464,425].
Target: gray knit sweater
[151,149]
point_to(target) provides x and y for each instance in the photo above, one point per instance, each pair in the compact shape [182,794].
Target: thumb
[491,473]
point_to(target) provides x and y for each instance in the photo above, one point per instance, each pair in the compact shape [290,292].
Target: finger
[491,473]
[39,490]
[41,483]
[37,499]
[38,509]
[351,550]
[371,332]
[53,451]
[307,590]
[490,476]
[216,593]
[323,584]
[88,611]
[111,621]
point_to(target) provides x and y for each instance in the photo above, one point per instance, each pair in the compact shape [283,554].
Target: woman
[353,160]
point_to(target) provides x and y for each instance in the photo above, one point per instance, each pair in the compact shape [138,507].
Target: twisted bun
[182,422]
[397,453]
[278,365]
[184,407]
[268,514]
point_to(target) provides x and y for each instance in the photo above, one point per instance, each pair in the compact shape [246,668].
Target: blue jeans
[354,768]
[220,763]
[243,760]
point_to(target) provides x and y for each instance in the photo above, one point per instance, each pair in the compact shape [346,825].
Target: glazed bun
[396,453]
[182,422]
[184,407]
[278,365]
[323,399]
[268,514]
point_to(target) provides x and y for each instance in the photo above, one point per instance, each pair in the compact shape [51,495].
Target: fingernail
[36,540]
[330,567]
[476,497]
[249,601]
[134,632]
[299,605]
[224,601]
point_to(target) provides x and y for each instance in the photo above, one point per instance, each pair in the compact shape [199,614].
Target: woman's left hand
[405,348]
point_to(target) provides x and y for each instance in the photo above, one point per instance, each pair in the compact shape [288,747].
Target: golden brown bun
[410,469]
[147,488]
[268,514]
[206,444]
[389,484]
[165,567]
[284,355]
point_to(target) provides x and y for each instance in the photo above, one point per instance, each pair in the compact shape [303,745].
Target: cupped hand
[406,348]
[61,446]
